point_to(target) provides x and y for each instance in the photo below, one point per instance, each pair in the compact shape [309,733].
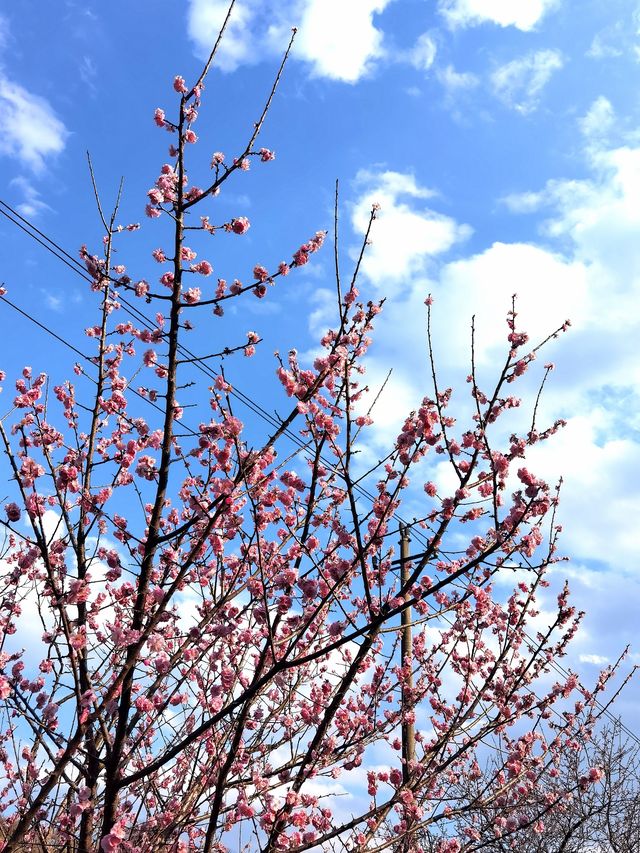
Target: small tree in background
[138,727]
[603,818]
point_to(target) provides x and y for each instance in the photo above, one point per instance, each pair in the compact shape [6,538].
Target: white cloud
[602,48]
[29,128]
[602,218]
[406,234]
[596,660]
[338,40]
[616,39]
[423,53]
[520,82]
[549,289]
[526,202]
[599,119]
[600,492]
[457,81]
[205,19]
[522,14]
[592,277]
[32,204]
[88,72]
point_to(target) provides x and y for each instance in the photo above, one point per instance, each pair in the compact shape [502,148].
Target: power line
[59,252]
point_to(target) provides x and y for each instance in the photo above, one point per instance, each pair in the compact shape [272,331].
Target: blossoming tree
[138,727]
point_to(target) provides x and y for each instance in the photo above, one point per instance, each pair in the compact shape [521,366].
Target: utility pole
[406,659]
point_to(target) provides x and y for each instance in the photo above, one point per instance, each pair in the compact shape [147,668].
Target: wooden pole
[406,658]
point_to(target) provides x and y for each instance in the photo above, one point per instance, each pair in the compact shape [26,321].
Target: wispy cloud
[261,28]
[455,82]
[522,14]
[87,71]
[599,120]
[604,46]
[618,38]
[29,128]
[519,83]
[32,204]
[457,87]
[423,53]
[4,31]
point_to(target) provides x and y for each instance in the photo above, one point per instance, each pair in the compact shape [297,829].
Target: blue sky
[502,140]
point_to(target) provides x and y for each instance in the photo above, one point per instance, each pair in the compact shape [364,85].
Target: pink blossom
[78,640]
[595,774]
[146,467]
[159,117]
[192,296]
[13,511]
[30,471]
[217,159]
[179,84]
[266,155]
[111,842]
[159,256]
[260,273]
[152,212]
[240,225]
[204,268]
[190,136]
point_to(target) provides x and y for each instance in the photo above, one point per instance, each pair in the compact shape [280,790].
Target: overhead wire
[59,252]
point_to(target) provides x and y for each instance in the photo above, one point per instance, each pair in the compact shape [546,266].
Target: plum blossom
[260,273]
[13,511]
[204,268]
[240,225]
[179,85]
[111,843]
